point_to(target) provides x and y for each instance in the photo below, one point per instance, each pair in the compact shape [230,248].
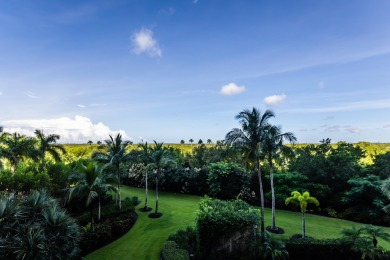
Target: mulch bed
[278,230]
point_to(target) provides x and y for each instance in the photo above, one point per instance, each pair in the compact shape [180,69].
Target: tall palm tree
[15,147]
[91,183]
[191,141]
[249,138]
[114,155]
[146,159]
[273,148]
[47,144]
[302,200]
[159,159]
[209,141]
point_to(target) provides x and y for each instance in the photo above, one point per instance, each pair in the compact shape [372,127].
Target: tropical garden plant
[273,149]
[302,200]
[114,154]
[248,139]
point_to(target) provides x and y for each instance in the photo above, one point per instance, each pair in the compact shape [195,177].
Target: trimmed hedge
[171,251]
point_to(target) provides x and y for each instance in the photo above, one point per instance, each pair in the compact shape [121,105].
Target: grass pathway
[146,238]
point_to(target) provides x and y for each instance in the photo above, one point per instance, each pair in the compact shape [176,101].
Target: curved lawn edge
[147,237]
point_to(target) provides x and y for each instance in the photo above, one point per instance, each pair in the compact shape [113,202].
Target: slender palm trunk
[158,173]
[146,190]
[261,196]
[99,208]
[92,222]
[303,225]
[271,175]
[119,188]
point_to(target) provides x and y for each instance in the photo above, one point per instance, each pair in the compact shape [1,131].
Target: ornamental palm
[248,139]
[302,200]
[15,147]
[273,148]
[159,159]
[114,155]
[145,158]
[375,233]
[48,144]
[91,183]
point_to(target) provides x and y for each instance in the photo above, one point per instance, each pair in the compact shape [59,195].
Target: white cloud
[331,129]
[351,129]
[386,126]
[78,130]
[82,106]
[143,42]
[30,94]
[274,100]
[321,84]
[231,89]
[167,11]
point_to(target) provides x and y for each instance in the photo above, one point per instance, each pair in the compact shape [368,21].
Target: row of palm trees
[16,148]
[259,141]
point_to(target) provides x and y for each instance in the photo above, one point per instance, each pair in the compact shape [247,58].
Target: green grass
[145,240]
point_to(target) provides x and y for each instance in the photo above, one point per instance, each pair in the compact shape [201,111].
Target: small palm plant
[302,200]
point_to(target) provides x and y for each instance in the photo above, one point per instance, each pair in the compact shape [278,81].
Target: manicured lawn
[146,238]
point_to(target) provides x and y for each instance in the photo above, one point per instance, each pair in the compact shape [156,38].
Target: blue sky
[172,70]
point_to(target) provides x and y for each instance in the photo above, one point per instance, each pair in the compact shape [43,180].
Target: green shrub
[171,251]
[185,239]
[221,222]
[227,180]
[320,249]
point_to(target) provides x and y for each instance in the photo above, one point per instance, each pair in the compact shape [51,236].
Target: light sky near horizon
[172,70]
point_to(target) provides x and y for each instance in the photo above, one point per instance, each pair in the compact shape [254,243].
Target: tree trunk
[261,196]
[119,189]
[271,175]
[303,225]
[146,191]
[156,211]
[99,208]
[92,222]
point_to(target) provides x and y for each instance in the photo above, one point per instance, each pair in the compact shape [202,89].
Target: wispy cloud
[274,100]
[78,130]
[82,106]
[30,94]
[167,11]
[351,106]
[321,84]
[331,129]
[308,130]
[195,1]
[352,129]
[232,89]
[143,42]
[386,126]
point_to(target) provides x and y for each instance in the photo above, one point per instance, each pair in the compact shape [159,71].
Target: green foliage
[171,251]
[185,239]
[365,200]
[284,182]
[23,182]
[320,249]
[227,180]
[36,227]
[381,166]
[219,221]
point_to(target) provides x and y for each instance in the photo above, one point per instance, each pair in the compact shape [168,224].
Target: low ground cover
[147,237]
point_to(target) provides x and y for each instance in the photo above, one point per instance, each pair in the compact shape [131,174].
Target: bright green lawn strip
[145,240]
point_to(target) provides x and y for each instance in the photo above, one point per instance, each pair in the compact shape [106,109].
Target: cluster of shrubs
[113,224]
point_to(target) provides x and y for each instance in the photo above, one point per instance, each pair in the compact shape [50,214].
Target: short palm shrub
[36,227]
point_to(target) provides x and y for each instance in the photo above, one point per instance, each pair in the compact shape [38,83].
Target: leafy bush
[227,180]
[225,227]
[106,232]
[185,239]
[320,249]
[36,227]
[171,251]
